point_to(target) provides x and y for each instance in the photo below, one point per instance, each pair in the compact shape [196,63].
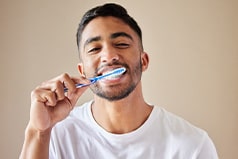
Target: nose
[109,55]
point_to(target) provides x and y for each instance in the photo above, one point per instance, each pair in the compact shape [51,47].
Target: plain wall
[193,72]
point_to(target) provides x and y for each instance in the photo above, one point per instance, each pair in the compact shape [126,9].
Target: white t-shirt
[162,136]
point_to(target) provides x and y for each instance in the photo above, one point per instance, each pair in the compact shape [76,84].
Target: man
[117,123]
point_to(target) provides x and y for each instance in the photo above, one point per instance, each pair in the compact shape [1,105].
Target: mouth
[113,73]
[113,76]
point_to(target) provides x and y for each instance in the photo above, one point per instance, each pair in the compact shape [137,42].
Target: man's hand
[50,104]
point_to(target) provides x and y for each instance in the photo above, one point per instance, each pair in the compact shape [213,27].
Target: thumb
[74,96]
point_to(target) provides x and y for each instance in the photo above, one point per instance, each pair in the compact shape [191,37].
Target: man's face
[108,43]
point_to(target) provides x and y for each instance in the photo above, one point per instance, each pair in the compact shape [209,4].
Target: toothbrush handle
[95,79]
[79,85]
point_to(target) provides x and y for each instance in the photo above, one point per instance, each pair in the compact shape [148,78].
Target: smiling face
[108,43]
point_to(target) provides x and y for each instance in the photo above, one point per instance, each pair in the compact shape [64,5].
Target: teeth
[112,76]
[104,73]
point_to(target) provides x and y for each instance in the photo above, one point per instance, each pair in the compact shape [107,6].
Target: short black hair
[108,9]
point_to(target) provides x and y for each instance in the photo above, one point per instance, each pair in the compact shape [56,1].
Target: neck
[124,115]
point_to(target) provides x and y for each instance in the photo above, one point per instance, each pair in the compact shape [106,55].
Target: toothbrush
[93,80]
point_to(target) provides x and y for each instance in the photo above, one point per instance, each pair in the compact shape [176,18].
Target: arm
[36,144]
[49,105]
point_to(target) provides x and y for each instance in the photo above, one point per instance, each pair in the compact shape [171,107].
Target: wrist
[32,133]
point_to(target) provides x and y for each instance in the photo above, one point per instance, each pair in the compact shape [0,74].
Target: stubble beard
[118,92]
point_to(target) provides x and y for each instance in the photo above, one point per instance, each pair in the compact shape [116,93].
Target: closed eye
[122,45]
[93,50]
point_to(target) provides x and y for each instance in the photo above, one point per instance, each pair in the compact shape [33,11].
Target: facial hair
[118,92]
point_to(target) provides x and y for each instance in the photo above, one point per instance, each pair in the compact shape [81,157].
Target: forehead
[104,27]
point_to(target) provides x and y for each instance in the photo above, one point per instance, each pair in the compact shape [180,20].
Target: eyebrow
[121,34]
[90,40]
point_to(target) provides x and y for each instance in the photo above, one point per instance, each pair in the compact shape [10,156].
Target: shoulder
[182,135]
[176,123]
[179,129]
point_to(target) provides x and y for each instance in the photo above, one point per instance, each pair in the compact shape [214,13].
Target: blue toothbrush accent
[93,80]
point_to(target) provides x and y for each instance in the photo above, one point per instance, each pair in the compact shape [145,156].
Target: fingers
[47,97]
[59,83]
[52,91]
[73,97]
[50,104]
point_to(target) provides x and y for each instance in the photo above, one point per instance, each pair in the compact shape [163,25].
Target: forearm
[49,105]
[36,144]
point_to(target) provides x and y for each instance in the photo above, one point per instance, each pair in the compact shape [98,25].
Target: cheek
[90,67]
[88,61]
[134,60]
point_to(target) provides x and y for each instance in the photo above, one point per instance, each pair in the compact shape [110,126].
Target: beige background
[193,48]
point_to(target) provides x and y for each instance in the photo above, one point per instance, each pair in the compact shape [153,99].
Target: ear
[80,68]
[144,61]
